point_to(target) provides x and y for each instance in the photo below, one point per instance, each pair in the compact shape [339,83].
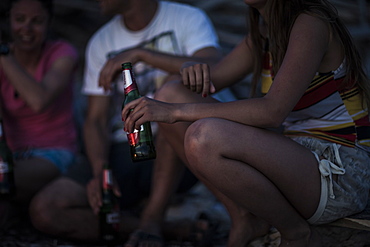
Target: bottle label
[134,137]
[107,179]
[128,81]
[113,218]
[4,167]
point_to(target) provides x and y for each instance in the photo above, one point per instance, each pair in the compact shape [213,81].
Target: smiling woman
[36,83]
[29,23]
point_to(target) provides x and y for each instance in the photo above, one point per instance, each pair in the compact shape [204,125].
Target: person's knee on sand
[46,209]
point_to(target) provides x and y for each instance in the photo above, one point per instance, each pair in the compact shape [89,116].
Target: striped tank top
[324,111]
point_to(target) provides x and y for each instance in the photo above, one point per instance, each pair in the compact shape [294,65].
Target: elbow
[275,119]
[275,124]
[38,106]
[274,112]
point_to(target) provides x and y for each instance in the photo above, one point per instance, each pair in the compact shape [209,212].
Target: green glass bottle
[141,141]
[7,184]
[109,214]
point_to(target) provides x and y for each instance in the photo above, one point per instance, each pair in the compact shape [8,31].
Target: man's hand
[113,67]
[94,193]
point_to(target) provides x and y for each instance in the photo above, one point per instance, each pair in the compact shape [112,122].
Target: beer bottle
[109,214]
[141,141]
[7,185]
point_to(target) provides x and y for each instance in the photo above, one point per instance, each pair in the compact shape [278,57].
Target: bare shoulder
[309,38]
[316,33]
[307,25]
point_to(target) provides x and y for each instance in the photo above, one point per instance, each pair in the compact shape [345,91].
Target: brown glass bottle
[141,141]
[109,214]
[7,184]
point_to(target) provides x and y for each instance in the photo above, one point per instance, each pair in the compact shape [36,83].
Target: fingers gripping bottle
[141,141]
[109,214]
[7,185]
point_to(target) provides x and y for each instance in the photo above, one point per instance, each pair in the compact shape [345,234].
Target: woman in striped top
[318,169]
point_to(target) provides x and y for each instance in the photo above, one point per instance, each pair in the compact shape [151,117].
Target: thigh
[63,192]
[31,175]
[290,166]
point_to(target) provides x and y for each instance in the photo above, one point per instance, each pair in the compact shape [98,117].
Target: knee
[198,141]
[170,91]
[42,210]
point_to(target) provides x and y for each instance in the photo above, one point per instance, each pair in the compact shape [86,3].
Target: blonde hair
[281,16]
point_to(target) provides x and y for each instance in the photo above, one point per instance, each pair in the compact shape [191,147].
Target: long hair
[281,16]
[47,4]
[5,32]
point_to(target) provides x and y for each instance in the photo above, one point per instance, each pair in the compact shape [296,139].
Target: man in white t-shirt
[157,37]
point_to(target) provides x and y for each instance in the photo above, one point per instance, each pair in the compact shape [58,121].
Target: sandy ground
[199,199]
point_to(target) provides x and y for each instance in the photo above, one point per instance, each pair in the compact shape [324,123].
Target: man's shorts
[349,193]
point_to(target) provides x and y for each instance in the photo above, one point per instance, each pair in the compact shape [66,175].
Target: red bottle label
[134,138]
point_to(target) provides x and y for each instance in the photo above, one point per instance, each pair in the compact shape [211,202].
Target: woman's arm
[308,44]
[39,95]
[209,78]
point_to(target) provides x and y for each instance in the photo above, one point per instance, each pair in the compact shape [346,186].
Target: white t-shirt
[176,28]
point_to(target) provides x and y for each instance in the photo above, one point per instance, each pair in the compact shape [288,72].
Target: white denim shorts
[349,193]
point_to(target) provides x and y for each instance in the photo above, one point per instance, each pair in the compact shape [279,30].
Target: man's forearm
[96,145]
[172,63]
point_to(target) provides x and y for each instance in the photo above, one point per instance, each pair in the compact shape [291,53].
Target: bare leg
[31,175]
[162,186]
[66,215]
[245,226]
[62,209]
[168,166]
[261,172]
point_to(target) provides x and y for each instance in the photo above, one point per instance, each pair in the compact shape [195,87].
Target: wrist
[142,55]
[98,168]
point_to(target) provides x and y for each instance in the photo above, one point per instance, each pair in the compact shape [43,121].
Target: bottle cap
[127,65]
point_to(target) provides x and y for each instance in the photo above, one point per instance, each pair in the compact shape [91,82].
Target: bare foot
[311,239]
[152,231]
[246,230]
[148,232]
